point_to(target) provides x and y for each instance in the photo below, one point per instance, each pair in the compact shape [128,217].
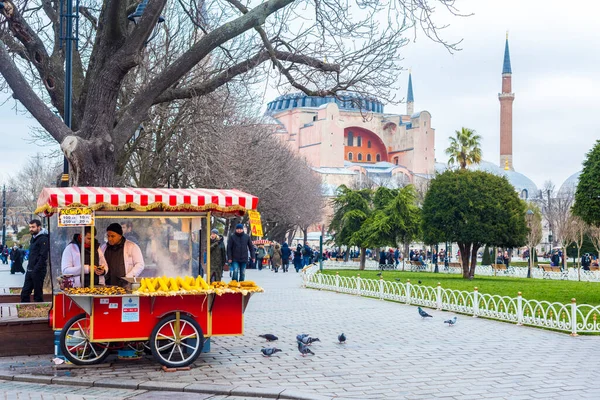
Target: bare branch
[25,94]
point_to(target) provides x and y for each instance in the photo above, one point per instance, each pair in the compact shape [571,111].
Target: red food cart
[175,328]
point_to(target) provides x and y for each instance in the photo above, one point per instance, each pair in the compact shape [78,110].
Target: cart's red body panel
[109,324]
[64,309]
[227,315]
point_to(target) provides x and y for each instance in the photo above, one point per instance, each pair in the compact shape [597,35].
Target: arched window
[359,157]
[396,160]
[369,157]
[378,157]
[350,156]
[358,141]
[368,144]
[524,194]
[350,139]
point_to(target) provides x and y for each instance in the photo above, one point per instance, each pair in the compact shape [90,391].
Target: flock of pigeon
[304,340]
[424,314]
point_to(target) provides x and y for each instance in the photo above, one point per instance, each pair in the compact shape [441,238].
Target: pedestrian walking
[239,246]
[260,255]
[285,256]
[276,258]
[298,258]
[39,248]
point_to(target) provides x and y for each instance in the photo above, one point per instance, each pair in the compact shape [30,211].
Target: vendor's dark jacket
[38,252]
[238,247]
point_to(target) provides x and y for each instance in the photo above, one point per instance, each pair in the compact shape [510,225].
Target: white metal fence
[572,318]
[572,274]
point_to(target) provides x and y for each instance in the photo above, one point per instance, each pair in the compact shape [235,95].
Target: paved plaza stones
[391,353]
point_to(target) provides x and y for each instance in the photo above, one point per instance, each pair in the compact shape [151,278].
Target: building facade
[350,138]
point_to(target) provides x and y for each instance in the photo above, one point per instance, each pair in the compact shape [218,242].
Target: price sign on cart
[78,216]
[255,224]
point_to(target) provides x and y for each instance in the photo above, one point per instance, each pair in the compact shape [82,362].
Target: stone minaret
[410,100]
[506,102]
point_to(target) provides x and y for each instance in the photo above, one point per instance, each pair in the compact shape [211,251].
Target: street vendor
[71,259]
[124,258]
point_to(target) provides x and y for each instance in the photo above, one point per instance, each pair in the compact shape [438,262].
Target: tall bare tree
[559,214]
[578,230]
[321,48]
[594,234]
[534,236]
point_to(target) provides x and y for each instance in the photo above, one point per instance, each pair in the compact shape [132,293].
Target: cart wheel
[75,342]
[175,348]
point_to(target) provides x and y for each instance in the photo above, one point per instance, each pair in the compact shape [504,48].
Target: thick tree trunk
[91,162]
[465,252]
[363,257]
[473,261]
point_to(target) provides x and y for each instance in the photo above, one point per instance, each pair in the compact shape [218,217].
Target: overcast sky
[555,54]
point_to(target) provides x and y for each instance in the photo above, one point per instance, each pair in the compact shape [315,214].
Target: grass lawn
[537,289]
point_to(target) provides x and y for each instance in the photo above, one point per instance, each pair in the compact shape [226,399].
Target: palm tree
[465,148]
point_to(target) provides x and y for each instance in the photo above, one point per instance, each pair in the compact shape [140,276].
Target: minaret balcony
[506,95]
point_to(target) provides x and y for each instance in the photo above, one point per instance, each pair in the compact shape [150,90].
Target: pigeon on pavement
[269,351]
[342,338]
[423,314]
[311,340]
[301,336]
[450,322]
[269,337]
[304,350]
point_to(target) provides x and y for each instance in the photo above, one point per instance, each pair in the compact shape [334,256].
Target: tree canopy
[321,48]
[473,208]
[395,218]
[465,148]
[587,195]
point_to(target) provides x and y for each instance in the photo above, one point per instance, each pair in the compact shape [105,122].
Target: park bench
[417,266]
[499,268]
[455,265]
[548,269]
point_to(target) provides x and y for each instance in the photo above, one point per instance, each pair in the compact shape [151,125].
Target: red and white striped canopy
[137,199]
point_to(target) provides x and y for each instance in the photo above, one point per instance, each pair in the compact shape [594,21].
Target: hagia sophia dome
[523,185]
[570,184]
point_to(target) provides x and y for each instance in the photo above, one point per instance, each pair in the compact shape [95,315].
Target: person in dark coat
[286,253]
[218,256]
[238,247]
[38,260]
[298,258]
[276,257]
[16,256]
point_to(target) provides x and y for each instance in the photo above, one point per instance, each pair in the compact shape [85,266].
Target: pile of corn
[97,290]
[163,286]
[236,287]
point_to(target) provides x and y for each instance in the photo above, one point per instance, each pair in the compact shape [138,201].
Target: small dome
[570,185]
[522,184]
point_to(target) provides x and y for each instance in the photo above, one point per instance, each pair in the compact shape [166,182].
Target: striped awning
[138,199]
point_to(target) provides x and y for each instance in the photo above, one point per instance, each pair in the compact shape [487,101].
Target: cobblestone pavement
[391,353]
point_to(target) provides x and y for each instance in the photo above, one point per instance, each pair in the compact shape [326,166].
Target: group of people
[280,256]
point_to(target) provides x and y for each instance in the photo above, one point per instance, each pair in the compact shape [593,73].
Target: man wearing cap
[238,247]
[217,256]
[124,258]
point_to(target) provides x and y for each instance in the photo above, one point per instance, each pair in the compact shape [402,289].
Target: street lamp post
[3,216]
[4,213]
[529,225]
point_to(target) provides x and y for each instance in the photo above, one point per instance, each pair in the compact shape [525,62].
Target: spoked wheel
[75,342]
[176,342]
